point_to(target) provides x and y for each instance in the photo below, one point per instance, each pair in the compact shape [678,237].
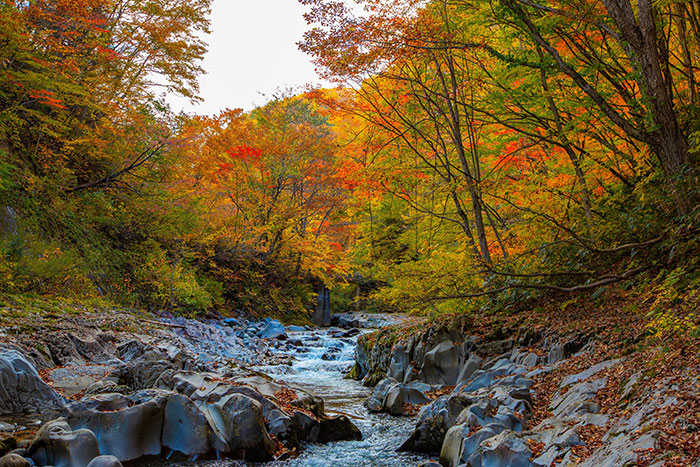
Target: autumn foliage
[473,156]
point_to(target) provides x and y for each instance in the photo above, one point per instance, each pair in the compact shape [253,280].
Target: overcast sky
[252,51]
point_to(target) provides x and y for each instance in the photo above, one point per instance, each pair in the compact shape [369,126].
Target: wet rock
[282,426]
[333,353]
[350,333]
[105,461]
[345,320]
[376,401]
[22,389]
[294,328]
[338,429]
[238,419]
[14,460]
[273,330]
[186,428]
[308,427]
[126,427]
[58,445]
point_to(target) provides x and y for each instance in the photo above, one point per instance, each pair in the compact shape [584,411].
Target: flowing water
[324,376]
[382,433]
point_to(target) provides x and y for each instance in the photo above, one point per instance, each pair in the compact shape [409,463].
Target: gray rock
[282,426]
[273,330]
[238,420]
[403,394]
[143,372]
[58,445]
[105,461]
[562,404]
[584,375]
[126,427]
[441,364]
[433,422]
[338,429]
[186,429]
[468,368]
[621,450]
[450,454]
[400,363]
[506,449]
[22,389]
[377,400]
[308,428]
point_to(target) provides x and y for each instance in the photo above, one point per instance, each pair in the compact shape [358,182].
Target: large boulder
[338,429]
[126,427]
[186,429]
[273,330]
[506,449]
[56,444]
[376,401]
[441,364]
[412,393]
[433,422]
[308,427]
[400,363]
[238,420]
[21,388]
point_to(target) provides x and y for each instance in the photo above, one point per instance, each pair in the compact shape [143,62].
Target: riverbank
[594,384]
[590,384]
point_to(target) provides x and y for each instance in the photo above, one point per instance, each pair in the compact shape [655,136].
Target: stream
[319,365]
[382,433]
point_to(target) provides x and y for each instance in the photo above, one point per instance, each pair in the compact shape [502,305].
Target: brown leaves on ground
[536,447]
[285,398]
[443,391]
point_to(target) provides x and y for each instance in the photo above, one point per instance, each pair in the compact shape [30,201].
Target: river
[382,433]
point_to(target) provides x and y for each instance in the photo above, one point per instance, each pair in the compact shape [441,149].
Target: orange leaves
[243,152]
[47,98]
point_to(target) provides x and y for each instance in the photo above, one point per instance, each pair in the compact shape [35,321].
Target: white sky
[252,51]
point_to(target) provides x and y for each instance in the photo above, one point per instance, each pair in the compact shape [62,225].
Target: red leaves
[47,98]
[244,152]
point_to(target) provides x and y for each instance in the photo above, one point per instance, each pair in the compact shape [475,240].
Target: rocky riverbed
[159,390]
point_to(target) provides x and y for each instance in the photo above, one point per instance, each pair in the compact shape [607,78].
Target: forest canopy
[474,155]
